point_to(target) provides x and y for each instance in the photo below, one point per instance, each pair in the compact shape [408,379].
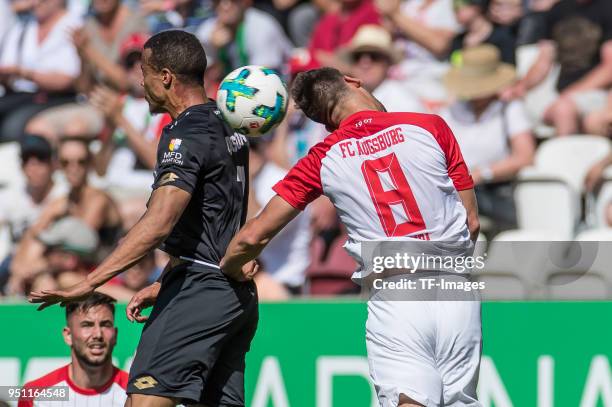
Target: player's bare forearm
[468,199]
[256,234]
[165,208]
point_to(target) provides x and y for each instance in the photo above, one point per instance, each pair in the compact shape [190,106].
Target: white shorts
[427,350]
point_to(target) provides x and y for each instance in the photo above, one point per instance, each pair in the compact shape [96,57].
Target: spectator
[286,258]
[428,28]
[99,44]
[494,136]
[128,155]
[69,253]
[175,14]
[90,376]
[479,30]
[91,205]
[29,68]
[371,54]
[21,206]
[337,28]
[579,37]
[241,35]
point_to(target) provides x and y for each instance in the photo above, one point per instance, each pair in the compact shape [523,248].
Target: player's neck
[89,377]
[354,105]
[183,99]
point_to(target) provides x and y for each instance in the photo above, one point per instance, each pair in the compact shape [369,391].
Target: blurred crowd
[78,144]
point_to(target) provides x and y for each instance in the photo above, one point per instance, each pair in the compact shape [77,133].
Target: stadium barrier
[312,353]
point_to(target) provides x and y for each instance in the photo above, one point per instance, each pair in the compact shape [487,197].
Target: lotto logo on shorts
[145,382]
[175,144]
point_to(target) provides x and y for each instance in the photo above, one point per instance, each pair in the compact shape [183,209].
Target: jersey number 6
[397,194]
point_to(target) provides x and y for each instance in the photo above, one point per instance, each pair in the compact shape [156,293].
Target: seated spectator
[21,206]
[427,28]
[285,259]
[129,152]
[241,35]
[371,53]
[579,37]
[336,29]
[479,30]
[29,68]
[495,137]
[99,44]
[69,253]
[175,14]
[91,205]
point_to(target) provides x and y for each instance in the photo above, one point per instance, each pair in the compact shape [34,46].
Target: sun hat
[372,38]
[72,235]
[478,73]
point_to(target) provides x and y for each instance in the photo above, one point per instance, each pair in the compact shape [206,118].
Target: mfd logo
[175,144]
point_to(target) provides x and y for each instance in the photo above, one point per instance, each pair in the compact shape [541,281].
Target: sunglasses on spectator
[373,56]
[82,162]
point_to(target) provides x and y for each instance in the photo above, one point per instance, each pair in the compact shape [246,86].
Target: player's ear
[66,333]
[352,81]
[167,77]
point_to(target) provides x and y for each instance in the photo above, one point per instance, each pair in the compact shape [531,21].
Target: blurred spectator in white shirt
[29,68]
[21,206]
[241,35]
[371,53]
[495,137]
[427,28]
[285,259]
[98,44]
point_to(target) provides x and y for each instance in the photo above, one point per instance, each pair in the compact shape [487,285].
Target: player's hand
[246,273]
[46,298]
[141,300]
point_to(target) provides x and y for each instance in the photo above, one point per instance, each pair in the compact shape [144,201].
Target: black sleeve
[185,154]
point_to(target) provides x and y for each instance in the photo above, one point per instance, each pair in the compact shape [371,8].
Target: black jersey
[199,153]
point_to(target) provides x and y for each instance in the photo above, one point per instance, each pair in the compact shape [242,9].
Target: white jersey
[112,394]
[391,176]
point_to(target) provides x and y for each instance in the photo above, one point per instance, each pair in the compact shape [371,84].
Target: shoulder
[50,379]
[121,378]
[427,121]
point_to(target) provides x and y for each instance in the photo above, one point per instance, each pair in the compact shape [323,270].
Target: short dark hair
[93,300]
[317,91]
[180,52]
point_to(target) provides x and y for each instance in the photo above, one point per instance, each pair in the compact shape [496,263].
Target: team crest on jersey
[145,382]
[175,144]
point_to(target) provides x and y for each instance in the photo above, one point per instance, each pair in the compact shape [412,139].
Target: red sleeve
[457,169]
[302,184]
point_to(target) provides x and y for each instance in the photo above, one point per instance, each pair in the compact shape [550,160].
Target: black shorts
[194,344]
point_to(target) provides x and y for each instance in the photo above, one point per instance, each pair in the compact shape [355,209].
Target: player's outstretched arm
[468,198]
[165,207]
[255,235]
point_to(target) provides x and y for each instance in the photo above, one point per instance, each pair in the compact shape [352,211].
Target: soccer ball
[252,100]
